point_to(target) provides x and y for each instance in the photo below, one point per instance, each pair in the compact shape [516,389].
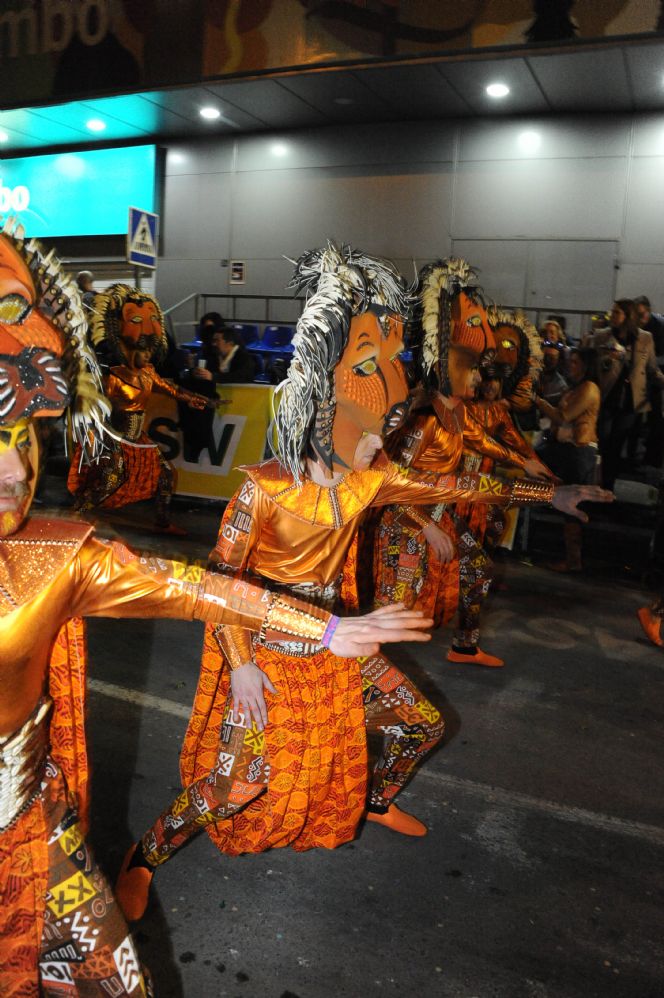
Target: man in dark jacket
[234,363]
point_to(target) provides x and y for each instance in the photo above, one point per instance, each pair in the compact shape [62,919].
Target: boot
[572,533]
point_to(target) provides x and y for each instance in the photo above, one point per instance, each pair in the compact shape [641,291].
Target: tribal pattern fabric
[80,946]
[284,786]
[122,475]
[410,726]
[315,743]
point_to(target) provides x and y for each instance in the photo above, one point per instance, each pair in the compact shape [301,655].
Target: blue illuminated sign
[78,193]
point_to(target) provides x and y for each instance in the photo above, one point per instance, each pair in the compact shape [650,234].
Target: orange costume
[132,323]
[405,566]
[302,780]
[61,931]
[316,736]
[455,341]
[496,422]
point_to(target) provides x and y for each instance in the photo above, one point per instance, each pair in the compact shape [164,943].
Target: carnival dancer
[432,558]
[514,370]
[61,931]
[275,752]
[129,324]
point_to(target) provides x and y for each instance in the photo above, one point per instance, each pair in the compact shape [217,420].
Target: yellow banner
[235,435]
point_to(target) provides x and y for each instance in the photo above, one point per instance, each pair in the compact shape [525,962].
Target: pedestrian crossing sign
[142,238]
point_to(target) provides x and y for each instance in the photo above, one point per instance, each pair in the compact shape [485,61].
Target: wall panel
[517,207]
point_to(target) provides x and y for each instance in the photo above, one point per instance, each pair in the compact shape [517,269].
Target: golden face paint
[15,436]
[18,447]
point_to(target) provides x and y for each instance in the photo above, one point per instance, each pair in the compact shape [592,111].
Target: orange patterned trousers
[61,931]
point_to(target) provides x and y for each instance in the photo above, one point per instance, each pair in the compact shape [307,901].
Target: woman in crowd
[571,449]
[627,366]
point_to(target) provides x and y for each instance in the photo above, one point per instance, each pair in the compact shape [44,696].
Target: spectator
[84,279]
[223,360]
[230,361]
[653,324]
[627,365]
[552,332]
[571,448]
[552,382]
[207,327]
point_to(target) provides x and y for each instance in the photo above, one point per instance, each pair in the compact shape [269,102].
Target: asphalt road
[541,875]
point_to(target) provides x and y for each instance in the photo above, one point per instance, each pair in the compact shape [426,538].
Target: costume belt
[22,760]
[324,597]
[129,424]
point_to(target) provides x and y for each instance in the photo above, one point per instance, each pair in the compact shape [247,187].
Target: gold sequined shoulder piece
[32,557]
[325,507]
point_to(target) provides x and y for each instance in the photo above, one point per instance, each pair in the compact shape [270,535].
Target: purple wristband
[329,632]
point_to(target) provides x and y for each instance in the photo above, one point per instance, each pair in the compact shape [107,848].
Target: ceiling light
[529,141]
[279,149]
[210,113]
[497,90]
[4,137]
[95,125]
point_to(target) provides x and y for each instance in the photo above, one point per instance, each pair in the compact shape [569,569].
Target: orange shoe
[399,821]
[132,888]
[651,625]
[479,658]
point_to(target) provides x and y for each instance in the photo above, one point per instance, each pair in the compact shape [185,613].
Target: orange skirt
[315,742]
[123,474]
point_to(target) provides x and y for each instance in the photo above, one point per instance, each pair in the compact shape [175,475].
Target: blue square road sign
[142,236]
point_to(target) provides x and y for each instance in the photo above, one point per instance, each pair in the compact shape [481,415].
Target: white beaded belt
[22,760]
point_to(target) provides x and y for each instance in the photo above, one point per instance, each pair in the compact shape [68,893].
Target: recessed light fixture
[344,101]
[279,149]
[4,137]
[95,125]
[210,113]
[529,141]
[497,90]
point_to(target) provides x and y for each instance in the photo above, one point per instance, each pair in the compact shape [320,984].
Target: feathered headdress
[339,283]
[50,327]
[107,320]
[439,284]
[530,357]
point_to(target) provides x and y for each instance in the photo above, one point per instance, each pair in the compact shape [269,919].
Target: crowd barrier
[238,437]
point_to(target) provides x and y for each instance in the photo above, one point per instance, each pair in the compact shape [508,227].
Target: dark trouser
[655,432]
[614,429]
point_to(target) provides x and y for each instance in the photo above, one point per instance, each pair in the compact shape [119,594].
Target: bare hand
[535,469]
[441,543]
[359,636]
[247,685]
[202,373]
[197,402]
[566,498]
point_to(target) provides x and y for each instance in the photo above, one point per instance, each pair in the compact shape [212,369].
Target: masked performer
[61,931]
[432,558]
[130,324]
[514,370]
[275,753]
